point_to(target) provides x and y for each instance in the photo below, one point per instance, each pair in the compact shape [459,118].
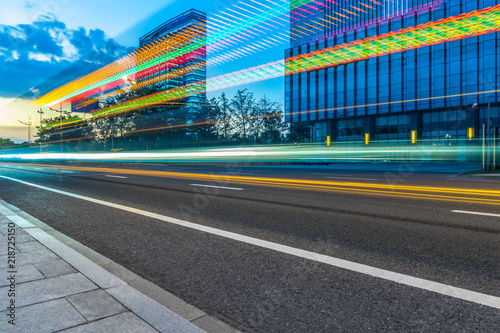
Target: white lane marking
[38,169]
[223,187]
[475,213]
[332,174]
[440,288]
[113,176]
[66,171]
[352,178]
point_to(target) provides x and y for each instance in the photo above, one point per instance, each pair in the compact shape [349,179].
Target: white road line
[113,176]
[440,288]
[66,171]
[352,178]
[223,187]
[38,169]
[475,213]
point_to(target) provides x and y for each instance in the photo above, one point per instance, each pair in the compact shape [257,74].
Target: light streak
[140,60]
[147,57]
[61,123]
[445,30]
[402,191]
[470,24]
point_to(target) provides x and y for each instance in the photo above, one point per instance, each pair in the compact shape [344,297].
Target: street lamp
[41,115]
[41,119]
[28,123]
[60,117]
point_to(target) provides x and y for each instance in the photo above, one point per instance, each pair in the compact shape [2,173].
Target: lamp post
[41,115]
[61,119]
[41,119]
[28,123]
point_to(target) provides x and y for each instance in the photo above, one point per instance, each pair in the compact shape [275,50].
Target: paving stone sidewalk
[48,294]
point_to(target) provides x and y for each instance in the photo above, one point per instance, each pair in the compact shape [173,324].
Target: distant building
[85,105]
[347,101]
[185,34]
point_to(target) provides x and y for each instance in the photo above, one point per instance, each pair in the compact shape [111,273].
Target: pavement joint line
[432,286]
[475,213]
[148,301]
[147,309]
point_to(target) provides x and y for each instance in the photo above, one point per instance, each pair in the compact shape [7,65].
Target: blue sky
[44,39]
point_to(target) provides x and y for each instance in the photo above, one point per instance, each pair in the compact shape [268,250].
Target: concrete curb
[159,308]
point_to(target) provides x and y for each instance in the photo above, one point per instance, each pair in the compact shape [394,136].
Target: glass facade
[185,31]
[391,95]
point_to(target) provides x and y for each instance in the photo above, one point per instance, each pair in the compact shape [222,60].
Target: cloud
[37,57]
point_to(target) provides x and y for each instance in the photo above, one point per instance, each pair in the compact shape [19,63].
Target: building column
[369,126]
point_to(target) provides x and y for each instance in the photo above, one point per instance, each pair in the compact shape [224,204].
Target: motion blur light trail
[467,25]
[305,153]
[156,53]
[140,60]
[454,28]
[75,122]
[488,197]
[157,98]
[61,123]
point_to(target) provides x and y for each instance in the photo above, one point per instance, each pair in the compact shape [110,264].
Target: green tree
[300,132]
[6,143]
[243,109]
[272,120]
[225,116]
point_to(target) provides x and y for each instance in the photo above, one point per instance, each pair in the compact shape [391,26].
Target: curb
[156,306]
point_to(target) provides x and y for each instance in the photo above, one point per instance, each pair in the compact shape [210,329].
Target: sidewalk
[51,287]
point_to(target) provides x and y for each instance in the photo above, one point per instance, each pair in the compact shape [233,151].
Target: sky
[46,42]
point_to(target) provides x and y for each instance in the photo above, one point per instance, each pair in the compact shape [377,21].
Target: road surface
[288,249]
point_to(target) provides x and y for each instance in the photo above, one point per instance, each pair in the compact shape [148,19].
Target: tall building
[394,69]
[185,54]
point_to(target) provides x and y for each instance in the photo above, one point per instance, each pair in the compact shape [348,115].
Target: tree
[225,116]
[114,125]
[50,129]
[271,120]
[6,143]
[243,105]
[211,115]
[300,131]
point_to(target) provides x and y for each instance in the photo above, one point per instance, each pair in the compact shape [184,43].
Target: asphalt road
[399,220]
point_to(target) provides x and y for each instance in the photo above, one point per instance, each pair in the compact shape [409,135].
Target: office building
[427,92]
[185,57]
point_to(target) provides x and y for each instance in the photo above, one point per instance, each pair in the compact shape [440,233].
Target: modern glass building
[427,92]
[186,49]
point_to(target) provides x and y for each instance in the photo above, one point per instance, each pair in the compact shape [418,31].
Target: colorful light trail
[449,29]
[155,54]
[454,28]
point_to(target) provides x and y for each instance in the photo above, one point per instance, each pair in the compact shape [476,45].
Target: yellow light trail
[401,191]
